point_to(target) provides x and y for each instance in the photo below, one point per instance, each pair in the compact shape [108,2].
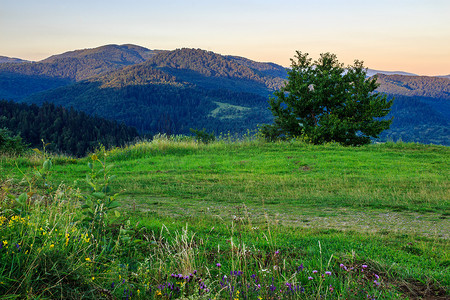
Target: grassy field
[230,220]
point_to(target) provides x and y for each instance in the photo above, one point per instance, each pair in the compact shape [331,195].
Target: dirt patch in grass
[419,290]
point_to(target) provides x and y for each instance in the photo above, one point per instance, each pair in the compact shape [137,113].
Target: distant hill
[173,91]
[371,72]
[423,86]
[18,80]
[5,59]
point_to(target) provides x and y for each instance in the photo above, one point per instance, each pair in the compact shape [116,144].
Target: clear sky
[390,35]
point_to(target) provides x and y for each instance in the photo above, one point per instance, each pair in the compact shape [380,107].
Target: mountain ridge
[173,91]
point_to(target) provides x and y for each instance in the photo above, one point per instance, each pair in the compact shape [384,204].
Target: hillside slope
[173,91]
[19,80]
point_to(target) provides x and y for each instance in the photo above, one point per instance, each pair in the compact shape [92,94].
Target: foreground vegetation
[174,218]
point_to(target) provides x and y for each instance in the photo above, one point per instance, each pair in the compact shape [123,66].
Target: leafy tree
[10,144]
[322,101]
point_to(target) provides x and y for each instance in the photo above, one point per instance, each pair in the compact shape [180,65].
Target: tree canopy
[323,102]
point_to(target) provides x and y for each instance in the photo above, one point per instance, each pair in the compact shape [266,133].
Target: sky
[389,35]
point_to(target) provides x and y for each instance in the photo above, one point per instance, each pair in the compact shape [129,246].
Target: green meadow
[173,218]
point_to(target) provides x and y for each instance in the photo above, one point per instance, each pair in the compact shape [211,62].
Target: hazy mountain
[5,59]
[371,72]
[173,91]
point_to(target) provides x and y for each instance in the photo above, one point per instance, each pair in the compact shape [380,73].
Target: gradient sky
[390,35]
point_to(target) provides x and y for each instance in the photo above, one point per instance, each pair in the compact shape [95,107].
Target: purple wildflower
[364,266]
[300,268]
[218,265]
[310,278]
[315,271]
[327,273]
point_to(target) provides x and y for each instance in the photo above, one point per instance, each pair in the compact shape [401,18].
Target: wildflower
[342,266]
[300,268]
[87,259]
[93,278]
[310,278]
[218,265]
[277,252]
[364,266]
[52,246]
[315,271]
[376,276]
[5,242]
[331,288]
[328,273]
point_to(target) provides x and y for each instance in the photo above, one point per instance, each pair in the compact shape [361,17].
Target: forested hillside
[173,91]
[19,80]
[67,130]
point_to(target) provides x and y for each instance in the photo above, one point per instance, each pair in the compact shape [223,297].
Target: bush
[9,144]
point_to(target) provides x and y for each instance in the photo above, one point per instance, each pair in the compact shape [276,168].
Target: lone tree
[322,101]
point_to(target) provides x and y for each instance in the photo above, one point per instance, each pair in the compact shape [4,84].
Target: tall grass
[52,247]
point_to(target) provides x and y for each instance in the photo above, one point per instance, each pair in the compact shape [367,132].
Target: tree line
[67,130]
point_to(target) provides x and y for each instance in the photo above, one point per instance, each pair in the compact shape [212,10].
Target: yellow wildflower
[87,259]
[52,246]
[158,293]
[93,278]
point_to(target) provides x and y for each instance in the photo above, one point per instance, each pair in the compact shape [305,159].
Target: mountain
[4,59]
[372,72]
[19,80]
[421,108]
[423,86]
[173,91]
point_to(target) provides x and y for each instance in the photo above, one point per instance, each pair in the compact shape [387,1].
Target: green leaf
[99,195]
[47,165]
[90,165]
[116,213]
[113,204]
[37,151]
